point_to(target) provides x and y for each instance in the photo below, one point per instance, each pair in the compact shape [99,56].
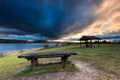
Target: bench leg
[32,63]
[64,61]
[36,62]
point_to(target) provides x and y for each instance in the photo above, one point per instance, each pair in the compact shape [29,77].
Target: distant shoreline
[15,48]
[22,51]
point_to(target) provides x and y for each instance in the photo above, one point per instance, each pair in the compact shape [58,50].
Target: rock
[1,55]
[46,46]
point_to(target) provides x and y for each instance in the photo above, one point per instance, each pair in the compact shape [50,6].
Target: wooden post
[36,62]
[64,61]
[32,63]
[85,43]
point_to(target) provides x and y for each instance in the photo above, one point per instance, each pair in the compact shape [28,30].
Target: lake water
[10,48]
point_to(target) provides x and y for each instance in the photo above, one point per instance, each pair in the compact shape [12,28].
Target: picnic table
[33,57]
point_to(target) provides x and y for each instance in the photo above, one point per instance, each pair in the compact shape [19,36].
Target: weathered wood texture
[34,57]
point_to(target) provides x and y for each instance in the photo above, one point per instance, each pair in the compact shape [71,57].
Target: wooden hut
[87,41]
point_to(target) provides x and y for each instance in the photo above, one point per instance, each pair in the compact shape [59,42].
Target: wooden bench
[33,57]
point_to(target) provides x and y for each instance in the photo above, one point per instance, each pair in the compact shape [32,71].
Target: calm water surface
[10,48]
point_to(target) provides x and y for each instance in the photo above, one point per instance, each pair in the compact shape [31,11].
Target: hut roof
[88,38]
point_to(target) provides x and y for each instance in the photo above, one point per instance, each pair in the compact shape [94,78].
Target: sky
[59,19]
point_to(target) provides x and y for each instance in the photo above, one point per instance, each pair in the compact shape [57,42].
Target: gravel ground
[86,72]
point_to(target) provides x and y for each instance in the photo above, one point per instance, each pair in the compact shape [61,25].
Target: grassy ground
[105,58]
[45,68]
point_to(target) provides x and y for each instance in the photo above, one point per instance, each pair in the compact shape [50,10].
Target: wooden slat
[46,55]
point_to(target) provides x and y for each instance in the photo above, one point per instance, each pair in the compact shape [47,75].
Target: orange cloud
[107,20]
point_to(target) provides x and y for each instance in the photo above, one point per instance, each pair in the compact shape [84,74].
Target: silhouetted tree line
[21,41]
[12,41]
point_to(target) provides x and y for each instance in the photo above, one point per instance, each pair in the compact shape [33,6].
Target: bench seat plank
[45,55]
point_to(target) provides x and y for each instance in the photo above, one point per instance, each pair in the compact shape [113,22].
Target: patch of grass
[47,68]
[10,64]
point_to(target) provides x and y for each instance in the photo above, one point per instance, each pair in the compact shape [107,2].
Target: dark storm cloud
[10,31]
[49,18]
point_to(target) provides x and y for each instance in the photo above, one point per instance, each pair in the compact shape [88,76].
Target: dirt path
[86,72]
